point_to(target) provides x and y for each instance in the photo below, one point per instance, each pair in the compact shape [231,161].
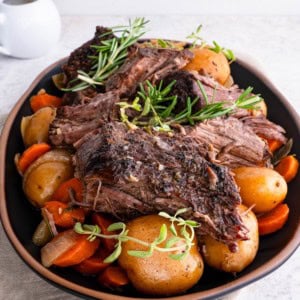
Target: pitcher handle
[2,20]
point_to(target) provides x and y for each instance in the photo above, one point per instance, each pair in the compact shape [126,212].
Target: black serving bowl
[16,211]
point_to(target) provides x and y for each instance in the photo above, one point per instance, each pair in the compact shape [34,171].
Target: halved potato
[44,176]
[35,128]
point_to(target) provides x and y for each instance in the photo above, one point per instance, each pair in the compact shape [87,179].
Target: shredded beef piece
[74,122]
[146,64]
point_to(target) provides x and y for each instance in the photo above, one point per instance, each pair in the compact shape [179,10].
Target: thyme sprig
[179,242]
[111,54]
[156,107]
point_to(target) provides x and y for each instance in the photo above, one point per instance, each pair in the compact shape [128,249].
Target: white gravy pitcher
[28,28]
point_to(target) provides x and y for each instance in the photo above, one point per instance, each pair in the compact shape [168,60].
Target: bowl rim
[51,277]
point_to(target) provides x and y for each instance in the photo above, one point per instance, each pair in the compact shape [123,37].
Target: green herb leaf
[282,152]
[139,253]
[114,256]
[172,241]
[162,234]
[116,226]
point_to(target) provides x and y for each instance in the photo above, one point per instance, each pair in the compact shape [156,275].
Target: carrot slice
[103,222]
[94,264]
[80,251]
[42,100]
[31,154]
[63,215]
[273,220]
[288,167]
[113,276]
[62,193]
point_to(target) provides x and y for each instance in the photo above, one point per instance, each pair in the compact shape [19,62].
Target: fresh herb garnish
[111,54]
[198,40]
[154,103]
[196,37]
[180,242]
[227,52]
[156,107]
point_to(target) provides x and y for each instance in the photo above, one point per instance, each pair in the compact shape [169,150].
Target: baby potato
[217,254]
[44,176]
[208,62]
[262,187]
[158,274]
[34,129]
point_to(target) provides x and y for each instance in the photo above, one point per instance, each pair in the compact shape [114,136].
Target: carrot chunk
[80,251]
[31,154]
[62,193]
[94,264]
[63,215]
[113,276]
[103,222]
[273,220]
[288,167]
[274,145]
[43,99]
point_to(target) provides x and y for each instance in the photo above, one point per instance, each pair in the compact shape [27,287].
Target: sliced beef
[129,173]
[146,64]
[186,86]
[74,122]
[265,128]
[230,142]
[80,58]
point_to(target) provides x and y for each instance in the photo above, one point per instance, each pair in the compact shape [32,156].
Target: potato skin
[158,274]
[262,187]
[35,128]
[217,254]
[44,176]
[208,62]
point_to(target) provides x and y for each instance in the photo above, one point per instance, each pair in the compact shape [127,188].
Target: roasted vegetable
[261,188]
[208,62]
[273,220]
[218,255]
[42,234]
[158,274]
[34,128]
[44,176]
[68,248]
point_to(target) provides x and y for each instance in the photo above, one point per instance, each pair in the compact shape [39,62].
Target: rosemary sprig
[111,54]
[214,110]
[156,107]
[196,37]
[181,242]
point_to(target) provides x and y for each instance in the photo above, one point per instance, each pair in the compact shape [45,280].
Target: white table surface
[273,41]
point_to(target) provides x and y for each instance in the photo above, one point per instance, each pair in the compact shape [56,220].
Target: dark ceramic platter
[20,218]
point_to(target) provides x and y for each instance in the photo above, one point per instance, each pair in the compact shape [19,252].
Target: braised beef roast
[128,173]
